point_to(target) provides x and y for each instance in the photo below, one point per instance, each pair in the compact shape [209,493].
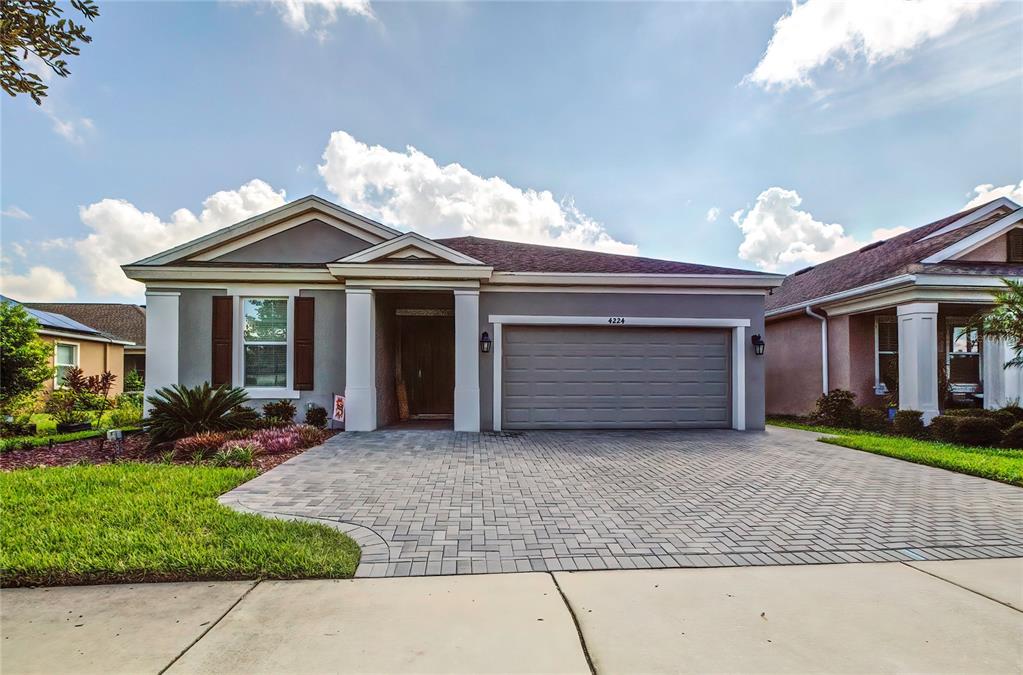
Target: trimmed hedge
[909,423]
[1014,436]
[982,431]
[943,428]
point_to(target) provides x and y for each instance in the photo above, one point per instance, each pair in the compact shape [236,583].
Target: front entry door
[428,364]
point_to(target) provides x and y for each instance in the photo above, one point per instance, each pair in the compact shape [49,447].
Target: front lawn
[139,522]
[994,463]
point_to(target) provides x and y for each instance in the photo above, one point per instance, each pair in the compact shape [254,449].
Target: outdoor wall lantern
[485,342]
[758,344]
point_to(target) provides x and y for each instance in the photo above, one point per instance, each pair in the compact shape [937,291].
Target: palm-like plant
[177,411]
[1004,321]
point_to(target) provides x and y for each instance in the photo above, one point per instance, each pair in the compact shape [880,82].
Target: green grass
[998,464]
[19,442]
[139,522]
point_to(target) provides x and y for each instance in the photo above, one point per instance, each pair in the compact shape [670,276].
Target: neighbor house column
[467,360]
[1002,385]
[360,360]
[161,341]
[918,358]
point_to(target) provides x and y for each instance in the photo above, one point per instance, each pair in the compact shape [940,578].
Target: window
[265,342]
[1015,253]
[65,356]
[962,347]
[886,352]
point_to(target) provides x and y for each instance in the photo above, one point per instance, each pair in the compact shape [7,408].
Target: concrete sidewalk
[958,616]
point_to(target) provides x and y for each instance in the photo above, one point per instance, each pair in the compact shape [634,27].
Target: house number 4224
[616,320]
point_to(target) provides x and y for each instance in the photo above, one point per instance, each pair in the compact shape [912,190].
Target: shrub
[316,415]
[134,381]
[179,411]
[283,410]
[978,431]
[1015,411]
[278,440]
[271,423]
[124,416]
[1004,418]
[24,357]
[308,435]
[943,428]
[200,445]
[837,408]
[62,404]
[1014,436]
[874,419]
[969,412]
[909,423]
[235,455]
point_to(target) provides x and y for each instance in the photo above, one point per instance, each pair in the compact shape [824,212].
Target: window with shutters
[886,351]
[265,342]
[1015,246]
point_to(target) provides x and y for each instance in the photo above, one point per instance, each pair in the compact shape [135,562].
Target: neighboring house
[892,318]
[78,345]
[311,299]
[117,320]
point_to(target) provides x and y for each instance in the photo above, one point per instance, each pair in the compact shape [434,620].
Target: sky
[757,135]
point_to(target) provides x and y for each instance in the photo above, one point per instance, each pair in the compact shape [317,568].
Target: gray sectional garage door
[584,377]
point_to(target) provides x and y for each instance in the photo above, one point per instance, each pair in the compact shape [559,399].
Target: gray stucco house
[311,300]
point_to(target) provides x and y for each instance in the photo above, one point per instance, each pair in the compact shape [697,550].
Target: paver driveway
[439,502]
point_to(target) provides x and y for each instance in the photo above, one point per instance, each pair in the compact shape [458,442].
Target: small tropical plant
[316,415]
[235,453]
[65,407]
[837,408]
[204,444]
[133,381]
[178,411]
[273,441]
[280,410]
[1004,321]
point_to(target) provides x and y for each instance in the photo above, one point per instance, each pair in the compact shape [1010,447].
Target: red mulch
[101,451]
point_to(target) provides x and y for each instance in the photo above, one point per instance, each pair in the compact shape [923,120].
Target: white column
[161,341]
[360,360]
[467,360]
[1002,385]
[739,378]
[918,358]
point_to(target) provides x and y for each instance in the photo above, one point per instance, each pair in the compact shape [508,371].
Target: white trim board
[414,241]
[977,239]
[982,212]
[737,326]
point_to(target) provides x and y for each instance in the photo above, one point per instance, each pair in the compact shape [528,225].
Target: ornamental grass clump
[273,441]
[200,445]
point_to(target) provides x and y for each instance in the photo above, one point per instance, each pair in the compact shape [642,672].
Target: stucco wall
[93,359]
[195,335]
[996,250]
[793,365]
[851,356]
[310,242]
[627,304]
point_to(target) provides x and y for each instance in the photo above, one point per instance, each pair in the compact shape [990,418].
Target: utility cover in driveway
[583,377]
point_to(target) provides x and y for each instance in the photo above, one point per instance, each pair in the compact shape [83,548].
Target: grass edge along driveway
[151,522]
[999,464]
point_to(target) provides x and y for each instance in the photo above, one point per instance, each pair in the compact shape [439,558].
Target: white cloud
[818,32]
[410,190]
[73,130]
[122,233]
[16,212]
[986,192]
[41,284]
[779,236]
[713,213]
[302,14]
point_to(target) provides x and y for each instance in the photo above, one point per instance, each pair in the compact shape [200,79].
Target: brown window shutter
[1015,246]
[223,328]
[305,323]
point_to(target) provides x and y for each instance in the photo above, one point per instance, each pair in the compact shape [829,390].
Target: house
[78,345]
[118,320]
[311,300]
[892,319]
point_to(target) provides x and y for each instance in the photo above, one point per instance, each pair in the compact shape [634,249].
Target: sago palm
[177,411]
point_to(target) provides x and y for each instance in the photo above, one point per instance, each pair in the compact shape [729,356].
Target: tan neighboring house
[76,344]
[893,317]
[117,320]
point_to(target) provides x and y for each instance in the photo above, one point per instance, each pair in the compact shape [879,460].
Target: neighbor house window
[65,357]
[265,342]
[963,355]
[1016,246]
[886,351]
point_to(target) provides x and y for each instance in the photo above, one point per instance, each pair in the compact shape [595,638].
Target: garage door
[584,377]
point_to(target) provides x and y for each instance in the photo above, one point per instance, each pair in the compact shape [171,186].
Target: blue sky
[642,121]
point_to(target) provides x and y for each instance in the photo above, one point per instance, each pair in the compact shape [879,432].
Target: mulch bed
[100,451]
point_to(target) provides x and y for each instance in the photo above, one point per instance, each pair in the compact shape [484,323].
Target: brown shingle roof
[119,321]
[510,256]
[875,262]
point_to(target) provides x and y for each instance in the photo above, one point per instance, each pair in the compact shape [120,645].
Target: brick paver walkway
[440,502]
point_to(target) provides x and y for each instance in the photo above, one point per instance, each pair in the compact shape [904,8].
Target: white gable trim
[257,227]
[979,214]
[410,241]
[978,238]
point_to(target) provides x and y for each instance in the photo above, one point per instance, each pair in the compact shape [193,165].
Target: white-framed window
[886,352]
[265,343]
[65,356]
[962,355]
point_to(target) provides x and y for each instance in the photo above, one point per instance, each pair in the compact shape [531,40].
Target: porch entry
[424,377]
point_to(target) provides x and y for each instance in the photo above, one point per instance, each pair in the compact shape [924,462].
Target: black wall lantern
[758,344]
[485,342]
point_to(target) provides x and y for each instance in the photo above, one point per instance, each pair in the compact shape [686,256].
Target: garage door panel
[596,377]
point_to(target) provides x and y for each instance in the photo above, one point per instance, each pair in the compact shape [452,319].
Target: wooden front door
[428,363]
